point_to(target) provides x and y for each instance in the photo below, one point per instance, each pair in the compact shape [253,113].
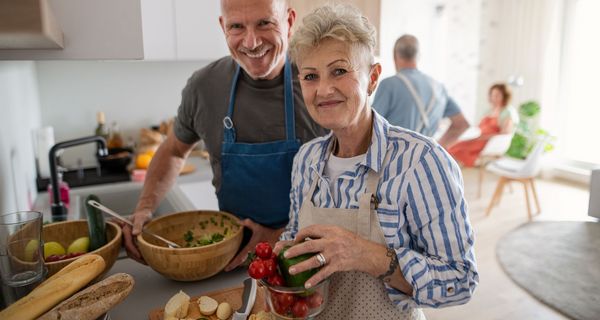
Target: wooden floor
[497,296]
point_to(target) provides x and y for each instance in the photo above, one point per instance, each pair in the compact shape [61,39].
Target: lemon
[30,249]
[143,161]
[53,248]
[80,245]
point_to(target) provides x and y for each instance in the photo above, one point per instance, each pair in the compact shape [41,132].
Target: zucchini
[96,224]
[296,280]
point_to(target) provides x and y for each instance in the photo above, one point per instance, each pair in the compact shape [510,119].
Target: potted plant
[527,132]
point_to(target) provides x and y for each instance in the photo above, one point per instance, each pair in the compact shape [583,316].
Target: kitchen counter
[152,290]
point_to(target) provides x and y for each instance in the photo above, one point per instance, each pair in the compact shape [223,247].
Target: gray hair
[407,47]
[335,21]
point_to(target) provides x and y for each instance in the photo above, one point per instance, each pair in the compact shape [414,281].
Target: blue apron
[256,177]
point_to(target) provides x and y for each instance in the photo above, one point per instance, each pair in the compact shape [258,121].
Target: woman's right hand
[281,244]
[139,218]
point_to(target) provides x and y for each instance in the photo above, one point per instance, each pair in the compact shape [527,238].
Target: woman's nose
[325,87]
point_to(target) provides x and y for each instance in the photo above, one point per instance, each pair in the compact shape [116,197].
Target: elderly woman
[384,206]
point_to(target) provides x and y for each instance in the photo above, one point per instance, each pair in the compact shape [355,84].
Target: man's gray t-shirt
[258,115]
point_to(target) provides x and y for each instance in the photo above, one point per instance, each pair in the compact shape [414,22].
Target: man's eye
[309,77]
[339,72]
[235,26]
[263,23]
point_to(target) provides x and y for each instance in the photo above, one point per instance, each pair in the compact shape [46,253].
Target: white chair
[523,171]
[495,148]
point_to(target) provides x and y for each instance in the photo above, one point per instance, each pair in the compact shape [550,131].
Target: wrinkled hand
[139,218]
[260,233]
[281,244]
[343,251]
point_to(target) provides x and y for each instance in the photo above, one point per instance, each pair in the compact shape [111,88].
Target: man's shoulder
[221,68]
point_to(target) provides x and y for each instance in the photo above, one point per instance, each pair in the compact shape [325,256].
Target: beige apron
[353,294]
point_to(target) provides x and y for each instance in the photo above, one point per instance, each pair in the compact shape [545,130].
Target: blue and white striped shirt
[422,209]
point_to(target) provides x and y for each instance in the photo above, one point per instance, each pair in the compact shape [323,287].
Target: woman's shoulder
[314,149]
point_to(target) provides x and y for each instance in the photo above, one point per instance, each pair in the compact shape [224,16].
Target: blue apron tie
[256,177]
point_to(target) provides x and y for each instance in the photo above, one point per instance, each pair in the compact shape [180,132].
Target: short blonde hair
[335,21]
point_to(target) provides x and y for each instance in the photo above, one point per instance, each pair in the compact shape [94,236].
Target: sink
[120,197]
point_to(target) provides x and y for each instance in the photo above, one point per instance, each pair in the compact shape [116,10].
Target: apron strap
[420,105]
[288,92]
[288,97]
[228,129]
[366,204]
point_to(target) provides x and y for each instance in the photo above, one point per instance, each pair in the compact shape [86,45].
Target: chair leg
[481,172]
[510,188]
[526,187]
[499,188]
[535,196]
[505,182]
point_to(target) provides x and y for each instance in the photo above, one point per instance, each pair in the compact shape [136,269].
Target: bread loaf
[55,289]
[93,301]
[177,306]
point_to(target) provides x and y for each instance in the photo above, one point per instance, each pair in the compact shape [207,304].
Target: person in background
[500,120]
[383,206]
[414,100]
[248,109]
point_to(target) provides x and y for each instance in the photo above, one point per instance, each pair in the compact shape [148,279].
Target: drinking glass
[21,254]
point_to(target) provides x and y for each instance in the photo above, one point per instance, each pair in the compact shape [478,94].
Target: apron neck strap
[288,97]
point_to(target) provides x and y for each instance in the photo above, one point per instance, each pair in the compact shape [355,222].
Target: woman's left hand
[343,251]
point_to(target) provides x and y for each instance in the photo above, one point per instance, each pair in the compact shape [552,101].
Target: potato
[207,305]
[224,311]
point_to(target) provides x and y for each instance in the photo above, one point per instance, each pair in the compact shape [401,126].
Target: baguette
[95,300]
[55,289]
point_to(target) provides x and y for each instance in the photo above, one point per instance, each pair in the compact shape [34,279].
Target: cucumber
[296,280]
[96,224]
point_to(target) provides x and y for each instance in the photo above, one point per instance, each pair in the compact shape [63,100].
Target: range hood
[29,24]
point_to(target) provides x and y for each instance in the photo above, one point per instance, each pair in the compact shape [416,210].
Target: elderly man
[249,111]
[414,100]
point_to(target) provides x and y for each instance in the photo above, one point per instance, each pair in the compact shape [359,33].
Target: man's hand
[139,218]
[260,233]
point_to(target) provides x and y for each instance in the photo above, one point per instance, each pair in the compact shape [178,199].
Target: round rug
[558,263]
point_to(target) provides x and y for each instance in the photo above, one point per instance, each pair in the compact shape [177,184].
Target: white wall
[19,115]
[135,94]
[448,32]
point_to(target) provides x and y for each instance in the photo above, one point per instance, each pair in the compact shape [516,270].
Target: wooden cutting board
[231,295]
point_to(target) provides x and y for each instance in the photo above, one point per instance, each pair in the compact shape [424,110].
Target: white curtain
[577,114]
[520,38]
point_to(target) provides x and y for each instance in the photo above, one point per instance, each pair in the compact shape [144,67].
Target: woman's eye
[339,72]
[310,77]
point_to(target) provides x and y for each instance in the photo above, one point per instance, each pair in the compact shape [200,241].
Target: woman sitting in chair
[500,120]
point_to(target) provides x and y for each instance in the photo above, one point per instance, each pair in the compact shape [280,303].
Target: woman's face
[334,87]
[496,98]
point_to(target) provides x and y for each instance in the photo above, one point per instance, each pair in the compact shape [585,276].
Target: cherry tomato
[276,306]
[271,267]
[275,280]
[314,300]
[286,300]
[300,308]
[257,269]
[263,250]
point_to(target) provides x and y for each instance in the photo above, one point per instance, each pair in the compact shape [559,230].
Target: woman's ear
[374,77]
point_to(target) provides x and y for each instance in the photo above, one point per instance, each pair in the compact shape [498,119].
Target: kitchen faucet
[59,211]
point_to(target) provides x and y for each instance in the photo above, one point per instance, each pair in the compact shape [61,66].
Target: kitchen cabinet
[182,30]
[370,8]
[133,30]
